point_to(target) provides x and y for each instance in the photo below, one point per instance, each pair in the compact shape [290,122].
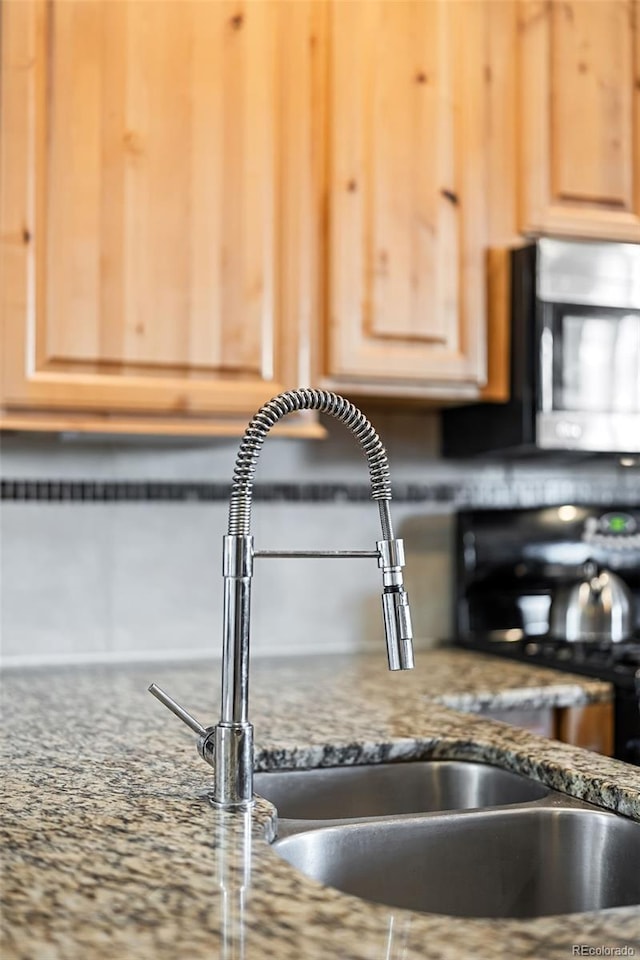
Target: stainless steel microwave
[575,356]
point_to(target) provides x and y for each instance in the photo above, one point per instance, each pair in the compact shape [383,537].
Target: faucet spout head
[395,606]
[397,628]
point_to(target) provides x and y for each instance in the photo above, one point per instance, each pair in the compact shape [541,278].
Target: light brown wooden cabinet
[153,233]
[589,726]
[206,202]
[408,119]
[579,66]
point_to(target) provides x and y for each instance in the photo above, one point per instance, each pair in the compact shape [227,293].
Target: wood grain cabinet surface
[407,197]
[579,64]
[589,725]
[148,238]
[206,202]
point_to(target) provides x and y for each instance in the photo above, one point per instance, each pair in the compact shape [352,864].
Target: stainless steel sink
[339,793]
[502,863]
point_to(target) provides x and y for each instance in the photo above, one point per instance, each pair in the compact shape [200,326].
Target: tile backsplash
[110,550]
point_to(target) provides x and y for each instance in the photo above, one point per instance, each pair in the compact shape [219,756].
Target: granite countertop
[111,849]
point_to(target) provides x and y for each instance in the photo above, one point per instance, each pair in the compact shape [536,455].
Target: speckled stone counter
[111,849]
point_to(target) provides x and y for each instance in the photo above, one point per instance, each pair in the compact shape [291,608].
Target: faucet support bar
[237,570]
[231,748]
[330,554]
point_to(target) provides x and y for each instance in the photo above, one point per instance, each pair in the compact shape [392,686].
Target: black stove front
[509,566]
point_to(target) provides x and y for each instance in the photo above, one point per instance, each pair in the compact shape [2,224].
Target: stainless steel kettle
[597,608]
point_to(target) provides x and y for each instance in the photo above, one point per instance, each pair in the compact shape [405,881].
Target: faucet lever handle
[179,711]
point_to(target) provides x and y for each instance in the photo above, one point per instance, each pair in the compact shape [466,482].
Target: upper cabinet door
[407,197]
[141,240]
[580,115]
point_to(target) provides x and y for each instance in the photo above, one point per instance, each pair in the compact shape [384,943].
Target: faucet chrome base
[232,764]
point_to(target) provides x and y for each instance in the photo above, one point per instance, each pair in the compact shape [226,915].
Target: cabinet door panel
[580,109]
[406,118]
[145,213]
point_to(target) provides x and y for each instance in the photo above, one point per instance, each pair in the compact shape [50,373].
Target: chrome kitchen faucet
[228,746]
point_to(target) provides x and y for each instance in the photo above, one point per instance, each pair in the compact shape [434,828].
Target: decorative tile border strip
[90,491]
[467,492]
[107,491]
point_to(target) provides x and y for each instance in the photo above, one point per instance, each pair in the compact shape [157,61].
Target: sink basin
[339,793]
[500,863]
